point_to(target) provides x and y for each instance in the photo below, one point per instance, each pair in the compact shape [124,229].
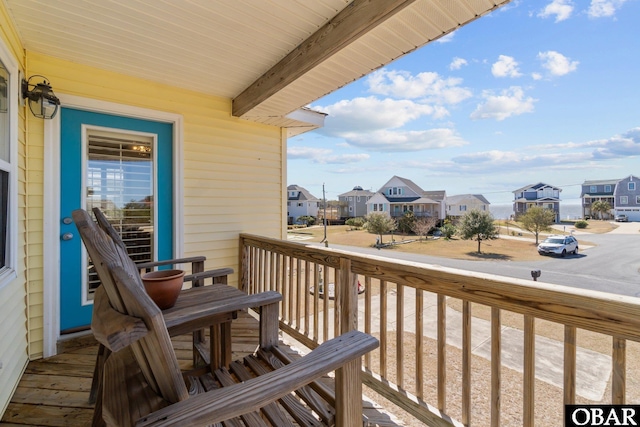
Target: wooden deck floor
[55,391]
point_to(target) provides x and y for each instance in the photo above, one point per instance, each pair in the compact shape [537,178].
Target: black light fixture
[43,103]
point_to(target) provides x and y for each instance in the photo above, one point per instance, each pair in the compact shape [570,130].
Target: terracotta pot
[163,286]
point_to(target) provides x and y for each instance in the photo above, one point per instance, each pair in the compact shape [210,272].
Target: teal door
[124,166]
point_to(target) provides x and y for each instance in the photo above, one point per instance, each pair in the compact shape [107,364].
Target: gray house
[401,195]
[540,194]
[354,203]
[300,203]
[627,198]
[598,190]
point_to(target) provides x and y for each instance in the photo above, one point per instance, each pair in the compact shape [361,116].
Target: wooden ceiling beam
[355,20]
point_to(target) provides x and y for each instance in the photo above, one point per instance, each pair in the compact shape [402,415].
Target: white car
[558,245]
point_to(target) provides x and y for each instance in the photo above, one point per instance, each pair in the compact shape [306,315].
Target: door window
[120,181]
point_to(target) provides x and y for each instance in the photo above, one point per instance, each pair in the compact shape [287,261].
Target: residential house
[540,194]
[597,190]
[400,195]
[301,203]
[627,198]
[183,107]
[462,203]
[354,203]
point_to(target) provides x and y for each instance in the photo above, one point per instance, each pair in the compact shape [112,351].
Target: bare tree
[423,225]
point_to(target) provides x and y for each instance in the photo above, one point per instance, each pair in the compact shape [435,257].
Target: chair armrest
[218,275]
[149,265]
[228,402]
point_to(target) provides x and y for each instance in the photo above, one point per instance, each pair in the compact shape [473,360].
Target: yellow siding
[13,297]
[233,179]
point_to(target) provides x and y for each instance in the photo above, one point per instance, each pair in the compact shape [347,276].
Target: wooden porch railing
[399,368]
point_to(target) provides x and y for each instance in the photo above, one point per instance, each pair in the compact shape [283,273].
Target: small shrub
[448,230]
[581,224]
[355,223]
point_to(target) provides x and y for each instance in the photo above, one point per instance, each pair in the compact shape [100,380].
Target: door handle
[67,236]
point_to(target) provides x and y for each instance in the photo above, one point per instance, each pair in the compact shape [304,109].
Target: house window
[375,207]
[463,208]
[624,200]
[637,200]
[351,198]
[8,177]
[632,186]
[380,207]
[550,206]
[607,189]
[593,189]
[350,208]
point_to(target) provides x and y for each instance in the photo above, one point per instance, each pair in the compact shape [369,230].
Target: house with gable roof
[354,203]
[401,195]
[540,194]
[460,204]
[301,203]
[627,198]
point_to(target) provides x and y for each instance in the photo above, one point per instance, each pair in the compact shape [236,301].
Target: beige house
[182,109]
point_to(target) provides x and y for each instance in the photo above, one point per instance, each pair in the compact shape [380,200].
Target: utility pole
[324,201]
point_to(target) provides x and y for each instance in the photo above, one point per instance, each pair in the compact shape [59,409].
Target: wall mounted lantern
[43,103]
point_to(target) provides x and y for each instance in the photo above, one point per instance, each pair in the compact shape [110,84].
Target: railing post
[348,381]
[244,266]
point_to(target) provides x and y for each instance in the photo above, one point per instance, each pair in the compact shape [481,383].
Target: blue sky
[537,91]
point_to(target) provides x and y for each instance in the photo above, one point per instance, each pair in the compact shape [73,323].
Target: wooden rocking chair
[144,386]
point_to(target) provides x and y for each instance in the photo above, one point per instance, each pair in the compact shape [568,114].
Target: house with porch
[540,194]
[173,117]
[400,195]
[301,203]
[353,203]
[597,190]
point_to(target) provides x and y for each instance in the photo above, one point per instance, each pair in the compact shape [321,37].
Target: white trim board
[51,221]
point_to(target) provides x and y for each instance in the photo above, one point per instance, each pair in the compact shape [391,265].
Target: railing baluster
[619,380]
[569,365]
[298,298]
[367,316]
[337,284]
[261,284]
[419,356]
[496,365]
[316,301]
[325,304]
[442,352]
[285,287]
[279,279]
[383,329]
[290,289]
[400,334]
[305,292]
[529,371]
[466,362]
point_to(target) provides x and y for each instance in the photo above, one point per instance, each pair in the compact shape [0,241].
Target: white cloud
[427,86]
[506,66]
[617,147]
[604,8]
[556,63]
[536,76]
[324,155]
[457,63]
[446,38]
[562,10]
[370,113]
[401,141]
[510,102]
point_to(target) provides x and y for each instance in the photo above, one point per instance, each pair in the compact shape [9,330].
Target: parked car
[558,245]
[622,218]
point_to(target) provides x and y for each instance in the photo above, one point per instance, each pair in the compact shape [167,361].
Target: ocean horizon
[567,211]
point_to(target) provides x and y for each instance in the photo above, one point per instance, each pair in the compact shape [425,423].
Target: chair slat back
[106,226]
[122,283]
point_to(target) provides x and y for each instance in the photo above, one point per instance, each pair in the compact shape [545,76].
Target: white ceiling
[220,47]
